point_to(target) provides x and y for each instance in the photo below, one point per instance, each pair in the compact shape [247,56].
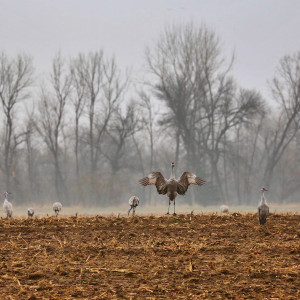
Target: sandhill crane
[7,206]
[263,208]
[57,206]
[171,186]
[134,201]
[30,212]
[224,209]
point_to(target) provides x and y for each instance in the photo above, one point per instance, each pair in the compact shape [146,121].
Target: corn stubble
[188,256]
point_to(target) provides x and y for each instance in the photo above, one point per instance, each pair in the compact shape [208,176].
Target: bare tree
[15,80]
[50,122]
[118,148]
[286,91]
[226,114]
[201,97]
[78,100]
[288,173]
[119,133]
[148,122]
[170,61]
[104,89]
[243,153]
[32,163]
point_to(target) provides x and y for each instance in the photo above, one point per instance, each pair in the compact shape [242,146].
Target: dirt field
[183,257]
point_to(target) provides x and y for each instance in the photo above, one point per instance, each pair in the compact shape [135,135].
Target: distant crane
[134,201]
[57,206]
[224,209]
[7,206]
[30,212]
[171,186]
[263,208]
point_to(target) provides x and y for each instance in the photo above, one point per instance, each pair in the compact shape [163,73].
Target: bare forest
[88,130]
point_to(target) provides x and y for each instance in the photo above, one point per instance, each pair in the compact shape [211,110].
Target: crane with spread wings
[171,186]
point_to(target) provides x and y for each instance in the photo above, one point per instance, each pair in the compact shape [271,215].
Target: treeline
[90,130]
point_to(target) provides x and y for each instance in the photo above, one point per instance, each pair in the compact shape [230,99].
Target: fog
[107,103]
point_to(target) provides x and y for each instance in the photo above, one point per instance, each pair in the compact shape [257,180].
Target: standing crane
[57,206]
[7,206]
[134,201]
[263,208]
[171,186]
[30,212]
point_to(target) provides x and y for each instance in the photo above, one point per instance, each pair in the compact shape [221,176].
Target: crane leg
[174,214]
[168,208]
[129,210]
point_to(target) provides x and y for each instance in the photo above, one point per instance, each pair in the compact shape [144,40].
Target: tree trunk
[76,146]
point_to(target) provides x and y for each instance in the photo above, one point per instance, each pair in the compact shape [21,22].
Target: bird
[224,209]
[7,206]
[30,212]
[171,186]
[57,206]
[134,201]
[263,208]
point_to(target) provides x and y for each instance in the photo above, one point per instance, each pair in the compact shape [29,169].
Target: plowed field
[184,257]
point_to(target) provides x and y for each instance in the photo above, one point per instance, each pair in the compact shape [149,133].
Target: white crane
[171,186]
[57,206]
[134,201]
[30,212]
[7,206]
[263,208]
[224,208]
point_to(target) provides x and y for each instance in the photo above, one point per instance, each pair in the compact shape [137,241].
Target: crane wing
[186,179]
[157,179]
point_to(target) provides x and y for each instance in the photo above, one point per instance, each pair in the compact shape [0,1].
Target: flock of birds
[170,187]
[8,207]
[174,186]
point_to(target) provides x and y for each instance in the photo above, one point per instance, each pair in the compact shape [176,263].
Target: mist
[91,129]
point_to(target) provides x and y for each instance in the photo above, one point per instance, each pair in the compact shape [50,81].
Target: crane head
[263,189]
[172,164]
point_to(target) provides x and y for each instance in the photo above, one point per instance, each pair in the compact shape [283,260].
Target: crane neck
[172,172]
[263,199]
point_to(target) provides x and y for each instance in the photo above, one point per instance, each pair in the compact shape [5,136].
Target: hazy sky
[260,32]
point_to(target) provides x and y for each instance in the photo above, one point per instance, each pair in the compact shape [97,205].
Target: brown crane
[263,208]
[171,186]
